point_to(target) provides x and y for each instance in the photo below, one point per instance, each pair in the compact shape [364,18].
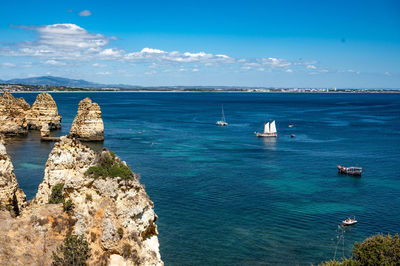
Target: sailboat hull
[266,135]
[221,123]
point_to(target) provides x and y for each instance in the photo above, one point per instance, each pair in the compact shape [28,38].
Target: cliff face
[115,215]
[12,115]
[44,111]
[88,125]
[10,195]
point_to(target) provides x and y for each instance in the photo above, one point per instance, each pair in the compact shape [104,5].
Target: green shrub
[57,194]
[97,171]
[74,251]
[109,166]
[378,250]
[68,206]
[375,250]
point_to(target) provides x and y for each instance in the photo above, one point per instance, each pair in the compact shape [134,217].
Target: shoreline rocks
[88,125]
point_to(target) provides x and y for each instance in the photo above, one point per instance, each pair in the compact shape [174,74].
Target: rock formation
[12,115]
[11,196]
[114,214]
[44,130]
[43,111]
[17,117]
[88,125]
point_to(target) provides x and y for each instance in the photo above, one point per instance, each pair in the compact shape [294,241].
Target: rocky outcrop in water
[114,214]
[44,111]
[17,116]
[13,115]
[88,125]
[11,197]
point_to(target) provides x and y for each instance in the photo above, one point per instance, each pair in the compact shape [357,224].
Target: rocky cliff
[88,125]
[110,209]
[44,111]
[12,115]
[11,197]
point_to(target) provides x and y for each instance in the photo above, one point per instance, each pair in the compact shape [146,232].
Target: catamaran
[269,130]
[222,122]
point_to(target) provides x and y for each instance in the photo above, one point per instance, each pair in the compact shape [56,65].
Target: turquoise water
[225,197]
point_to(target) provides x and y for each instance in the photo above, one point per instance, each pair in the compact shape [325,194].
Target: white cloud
[388,74]
[260,69]
[7,64]
[99,65]
[195,70]
[59,41]
[152,51]
[85,13]
[311,67]
[54,63]
[275,62]
[289,70]
[106,73]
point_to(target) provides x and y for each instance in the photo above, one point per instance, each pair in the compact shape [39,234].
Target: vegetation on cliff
[74,251]
[375,250]
[57,197]
[109,166]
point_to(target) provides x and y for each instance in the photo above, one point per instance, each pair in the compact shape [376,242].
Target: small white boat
[222,122]
[291,125]
[269,130]
[349,221]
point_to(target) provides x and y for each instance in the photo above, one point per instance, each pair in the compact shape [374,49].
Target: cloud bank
[59,43]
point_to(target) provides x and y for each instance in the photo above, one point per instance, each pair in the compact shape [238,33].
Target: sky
[254,43]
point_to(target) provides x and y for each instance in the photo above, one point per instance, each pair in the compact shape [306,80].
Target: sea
[224,196]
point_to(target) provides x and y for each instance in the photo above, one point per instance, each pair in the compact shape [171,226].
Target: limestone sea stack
[12,115]
[115,213]
[44,111]
[11,196]
[88,125]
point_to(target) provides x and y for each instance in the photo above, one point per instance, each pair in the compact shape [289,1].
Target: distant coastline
[60,84]
[205,91]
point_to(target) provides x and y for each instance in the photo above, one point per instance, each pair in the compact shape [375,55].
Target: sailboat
[269,130]
[222,122]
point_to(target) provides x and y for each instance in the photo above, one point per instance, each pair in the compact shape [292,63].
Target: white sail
[266,128]
[272,127]
[223,115]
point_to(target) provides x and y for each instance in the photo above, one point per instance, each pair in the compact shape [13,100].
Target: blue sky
[269,43]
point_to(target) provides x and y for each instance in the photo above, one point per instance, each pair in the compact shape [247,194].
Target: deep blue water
[224,196]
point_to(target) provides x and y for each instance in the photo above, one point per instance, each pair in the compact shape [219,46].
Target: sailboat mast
[223,114]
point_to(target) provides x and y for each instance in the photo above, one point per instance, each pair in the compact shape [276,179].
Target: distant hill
[66,82]
[54,81]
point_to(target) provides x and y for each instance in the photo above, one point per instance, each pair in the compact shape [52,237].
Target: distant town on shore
[57,84]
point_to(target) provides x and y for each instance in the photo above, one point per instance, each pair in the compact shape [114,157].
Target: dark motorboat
[352,170]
